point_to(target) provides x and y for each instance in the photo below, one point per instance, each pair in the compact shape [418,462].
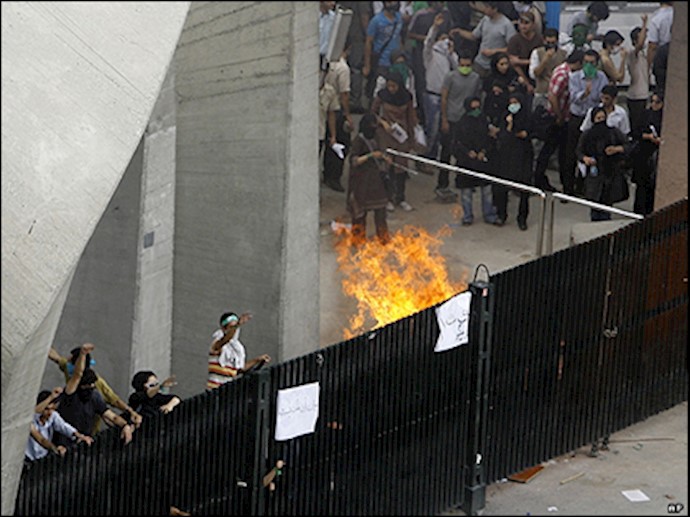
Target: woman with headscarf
[396,114]
[602,150]
[647,137]
[473,148]
[502,74]
[366,189]
[514,154]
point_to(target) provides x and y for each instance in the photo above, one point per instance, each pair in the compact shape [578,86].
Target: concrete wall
[246,202]
[672,178]
[75,104]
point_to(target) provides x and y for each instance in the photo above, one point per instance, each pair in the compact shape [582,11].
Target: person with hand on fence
[81,403]
[46,422]
[111,398]
[227,355]
[147,398]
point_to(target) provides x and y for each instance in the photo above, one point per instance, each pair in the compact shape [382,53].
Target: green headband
[229,319]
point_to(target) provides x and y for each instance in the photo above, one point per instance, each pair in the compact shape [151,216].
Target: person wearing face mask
[473,150]
[575,40]
[584,87]
[366,189]
[458,85]
[601,149]
[542,62]
[647,136]
[67,366]
[514,155]
[80,402]
[613,46]
[596,12]
[439,59]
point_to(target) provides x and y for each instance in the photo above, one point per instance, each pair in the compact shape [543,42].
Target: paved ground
[658,468]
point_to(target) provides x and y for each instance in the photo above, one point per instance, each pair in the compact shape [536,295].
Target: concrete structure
[247,180]
[672,180]
[75,105]
[230,154]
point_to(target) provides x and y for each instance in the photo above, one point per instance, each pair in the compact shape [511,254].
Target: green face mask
[465,70]
[474,112]
[589,70]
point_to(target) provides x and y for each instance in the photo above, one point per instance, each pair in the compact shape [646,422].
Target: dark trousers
[359,226]
[556,140]
[395,181]
[332,165]
[447,149]
[636,112]
[572,183]
[500,193]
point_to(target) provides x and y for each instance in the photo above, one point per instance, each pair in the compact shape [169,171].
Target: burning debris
[392,281]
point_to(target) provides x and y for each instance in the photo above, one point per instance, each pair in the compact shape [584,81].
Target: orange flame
[392,281]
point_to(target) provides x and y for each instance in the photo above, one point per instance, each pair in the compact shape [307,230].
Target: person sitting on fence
[80,403]
[227,356]
[45,422]
[147,398]
[111,398]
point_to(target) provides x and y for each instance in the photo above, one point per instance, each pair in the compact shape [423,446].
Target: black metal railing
[563,351]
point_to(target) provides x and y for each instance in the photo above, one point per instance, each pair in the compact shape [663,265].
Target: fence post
[481,316]
[261,434]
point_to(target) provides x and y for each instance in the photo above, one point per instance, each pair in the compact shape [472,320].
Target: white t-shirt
[233,353]
[617,118]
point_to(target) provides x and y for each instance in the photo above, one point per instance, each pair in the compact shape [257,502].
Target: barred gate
[564,350]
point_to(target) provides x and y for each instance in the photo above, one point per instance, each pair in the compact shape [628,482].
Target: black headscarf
[596,138]
[401,97]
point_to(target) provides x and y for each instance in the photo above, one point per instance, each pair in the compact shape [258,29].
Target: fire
[393,281]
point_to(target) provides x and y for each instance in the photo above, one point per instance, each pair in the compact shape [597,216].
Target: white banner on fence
[454,322]
[297,411]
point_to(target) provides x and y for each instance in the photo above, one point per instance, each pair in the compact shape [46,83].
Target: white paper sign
[297,411]
[454,322]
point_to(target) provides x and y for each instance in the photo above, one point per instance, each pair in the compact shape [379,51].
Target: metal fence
[563,351]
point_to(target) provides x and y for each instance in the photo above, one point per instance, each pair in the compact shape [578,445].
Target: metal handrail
[491,179]
[585,202]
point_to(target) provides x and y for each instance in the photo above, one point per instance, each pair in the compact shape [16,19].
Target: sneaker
[390,207]
[406,206]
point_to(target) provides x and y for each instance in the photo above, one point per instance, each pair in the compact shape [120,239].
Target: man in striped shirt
[227,356]
[559,107]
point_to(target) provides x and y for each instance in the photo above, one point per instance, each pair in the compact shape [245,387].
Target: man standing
[494,31]
[616,116]
[659,29]
[328,106]
[439,60]
[596,12]
[585,87]
[520,47]
[458,85]
[638,67]
[542,62]
[383,38]
[559,106]
[338,77]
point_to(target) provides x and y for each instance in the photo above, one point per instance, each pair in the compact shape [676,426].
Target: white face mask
[442,45]
[616,50]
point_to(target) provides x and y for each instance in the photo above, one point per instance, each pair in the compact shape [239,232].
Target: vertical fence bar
[480,340]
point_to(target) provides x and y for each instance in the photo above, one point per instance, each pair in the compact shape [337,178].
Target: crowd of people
[490,87]
[73,414]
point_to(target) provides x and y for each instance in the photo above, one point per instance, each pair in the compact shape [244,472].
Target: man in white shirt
[616,116]
[659,31]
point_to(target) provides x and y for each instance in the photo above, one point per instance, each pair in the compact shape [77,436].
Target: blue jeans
[432,123]
[487,204]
